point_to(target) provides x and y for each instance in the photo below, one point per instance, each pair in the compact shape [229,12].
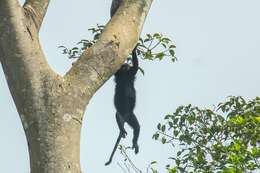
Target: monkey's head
[125,67]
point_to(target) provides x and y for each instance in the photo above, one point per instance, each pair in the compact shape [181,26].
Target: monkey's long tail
[114,149]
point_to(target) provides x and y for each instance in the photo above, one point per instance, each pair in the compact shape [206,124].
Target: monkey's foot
[136,148]
[123,133]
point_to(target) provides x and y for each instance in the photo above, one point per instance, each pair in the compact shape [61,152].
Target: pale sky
[218,55]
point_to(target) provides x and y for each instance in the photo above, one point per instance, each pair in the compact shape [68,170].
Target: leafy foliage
[151,47]
[224,140]
[84,44]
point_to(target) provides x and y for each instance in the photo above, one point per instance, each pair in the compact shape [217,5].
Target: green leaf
[153,162]
[172,46]
[160,55]
[156,136]
[179,153]
[157,35]
[176,133]
[163,128]
[172,52]
[172,170]
[159,126]
[163,140]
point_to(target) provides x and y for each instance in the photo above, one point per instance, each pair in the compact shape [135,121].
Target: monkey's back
[125,95]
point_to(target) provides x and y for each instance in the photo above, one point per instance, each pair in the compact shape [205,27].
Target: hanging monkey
[125,96]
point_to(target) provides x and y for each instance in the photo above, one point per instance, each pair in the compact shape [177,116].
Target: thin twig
[121,167]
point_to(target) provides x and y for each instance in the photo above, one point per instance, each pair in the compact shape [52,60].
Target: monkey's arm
[134,69]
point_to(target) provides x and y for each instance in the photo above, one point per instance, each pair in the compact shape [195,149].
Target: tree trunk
[51,107]
[53,130]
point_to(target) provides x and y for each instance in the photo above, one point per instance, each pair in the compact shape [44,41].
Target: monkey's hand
[136,148]
[123,133]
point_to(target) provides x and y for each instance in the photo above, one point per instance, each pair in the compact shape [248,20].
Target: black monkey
[114,6]
[124,101]
[125,96]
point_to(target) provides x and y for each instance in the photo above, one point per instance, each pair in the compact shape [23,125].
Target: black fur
[125,97]
[124,101]
[114,6]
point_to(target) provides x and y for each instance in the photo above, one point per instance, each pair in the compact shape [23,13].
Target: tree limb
[22,58]
[37,10]
[8,7]
[108,54]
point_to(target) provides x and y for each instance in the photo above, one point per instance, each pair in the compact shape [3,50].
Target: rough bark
[51,106]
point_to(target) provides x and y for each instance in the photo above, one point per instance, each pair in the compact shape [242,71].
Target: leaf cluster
[223,140]
[83,44]
[151,47]
[156,46]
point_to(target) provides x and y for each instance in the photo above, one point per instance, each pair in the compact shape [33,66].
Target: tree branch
[36,9]
[23,61]
[8,8]
[108,54]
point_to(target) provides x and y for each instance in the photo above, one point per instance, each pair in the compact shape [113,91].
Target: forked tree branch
[23,58]
[51,107]
[36,10]
[98,63]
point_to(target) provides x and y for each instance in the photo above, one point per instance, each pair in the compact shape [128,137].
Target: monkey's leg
[114,149]
[133,122]
[120,122]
